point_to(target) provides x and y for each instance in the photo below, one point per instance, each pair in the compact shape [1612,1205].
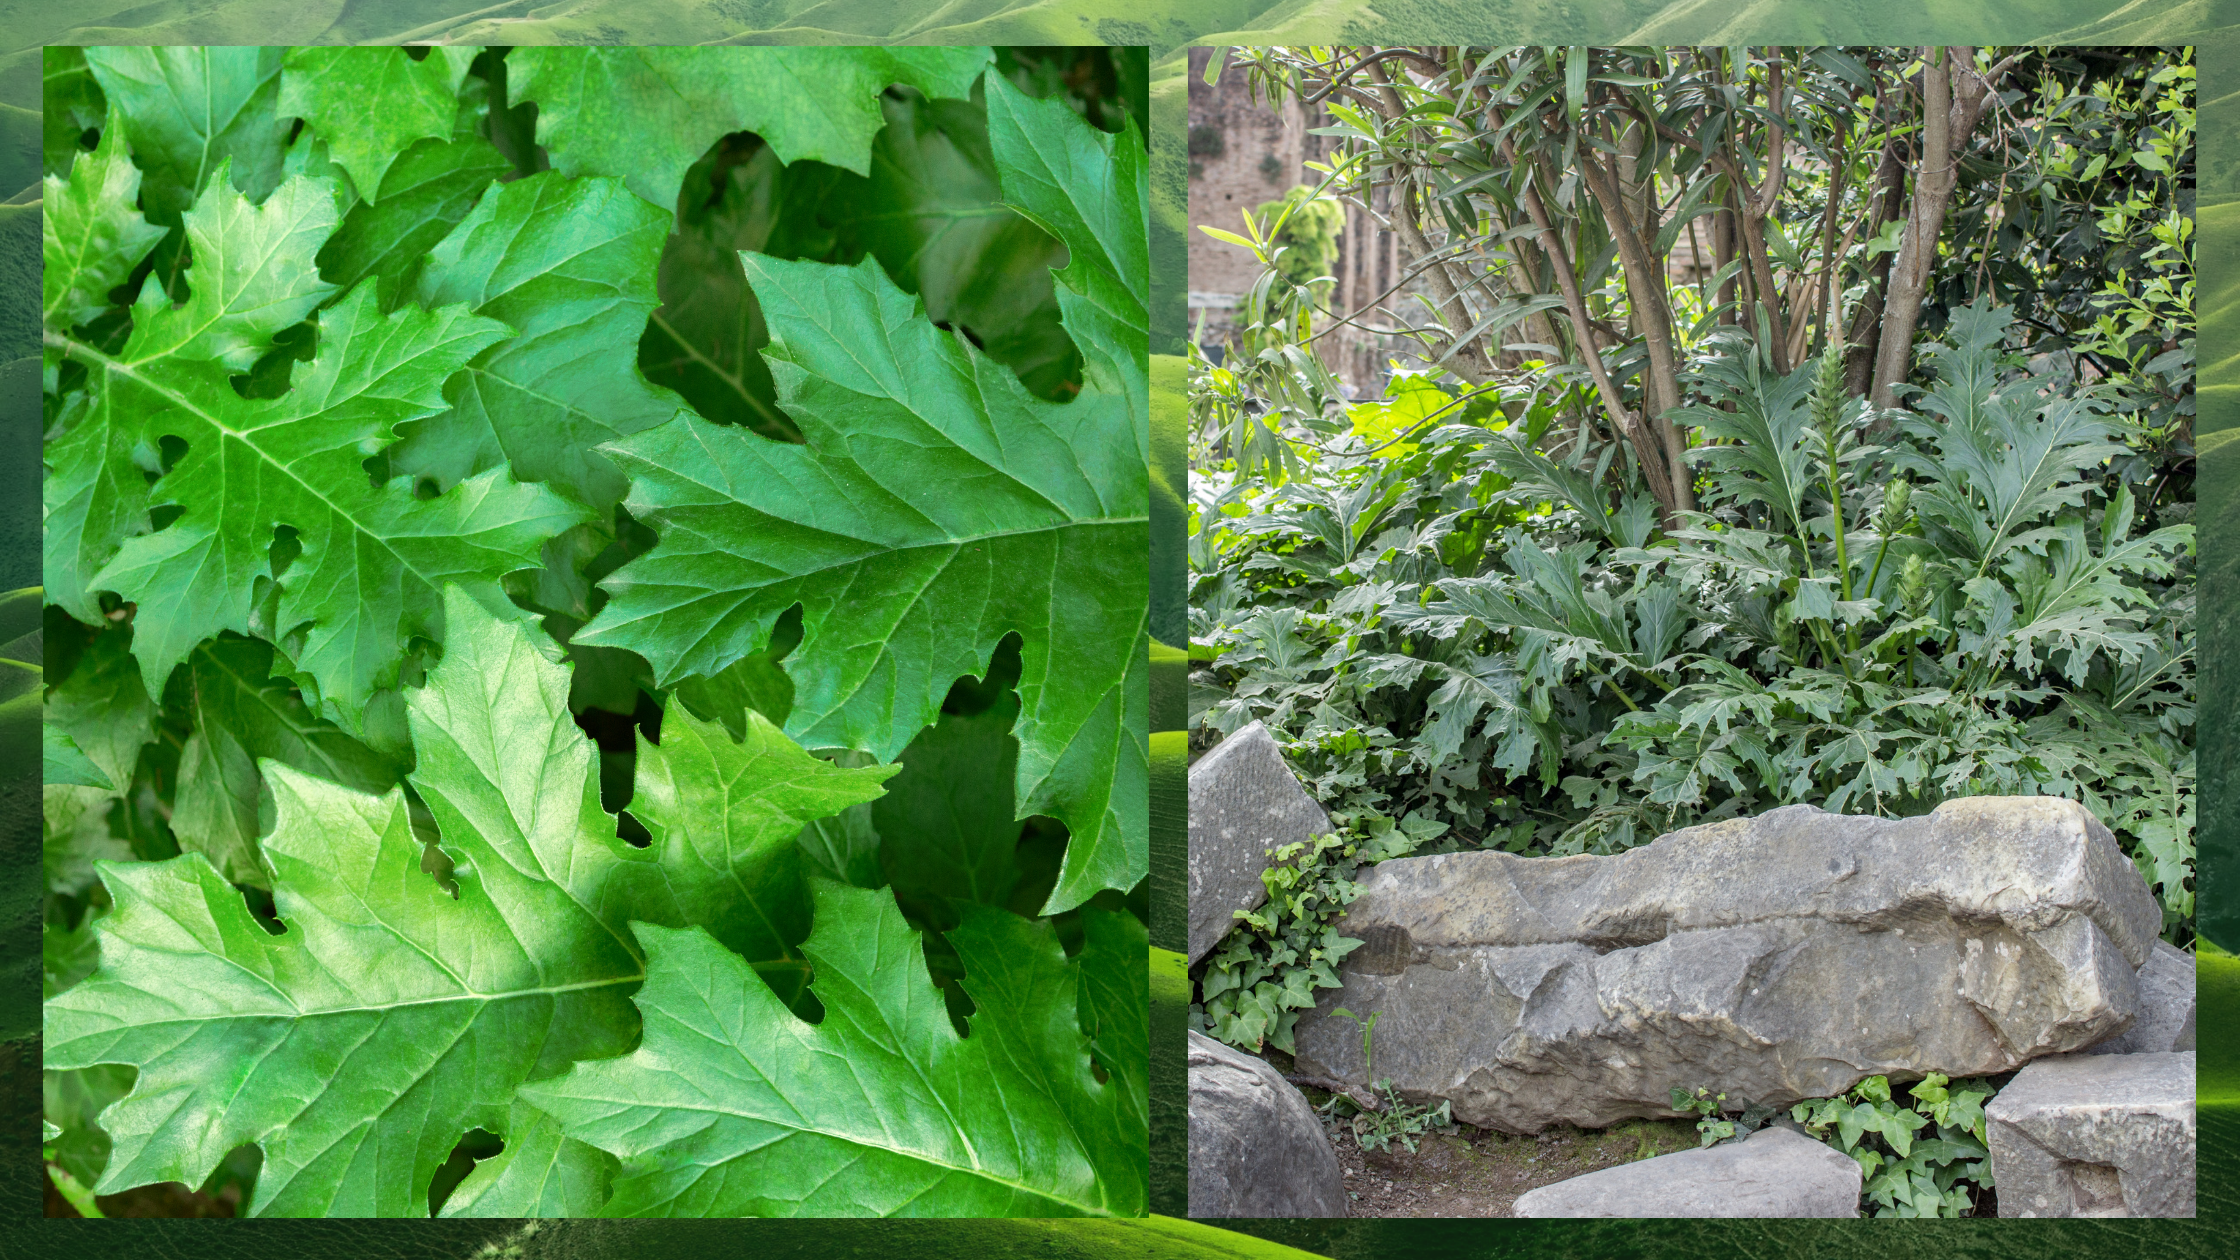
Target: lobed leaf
[389,1017]
[731,1106]
[647,114]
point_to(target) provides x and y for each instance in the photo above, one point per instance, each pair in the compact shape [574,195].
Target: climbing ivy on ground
[1921,1148]
[545,544]
[1268,969]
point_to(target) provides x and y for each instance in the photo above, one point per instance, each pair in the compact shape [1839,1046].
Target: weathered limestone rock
[2165,1019]
[1244,801]
[1775,958]
[1256,1148]
[2095,1135]
[1773,1172]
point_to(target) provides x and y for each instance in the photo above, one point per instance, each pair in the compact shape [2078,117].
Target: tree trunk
[1646,449]
[1652,320]
[1951,105]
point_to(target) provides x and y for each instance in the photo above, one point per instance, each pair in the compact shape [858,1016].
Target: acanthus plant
[596,630]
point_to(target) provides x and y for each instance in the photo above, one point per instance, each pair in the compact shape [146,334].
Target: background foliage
[413,298]
[1462,606]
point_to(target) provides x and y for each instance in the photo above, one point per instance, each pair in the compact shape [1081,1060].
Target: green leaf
[1115,1004]
[94,497]
[102,705]
[193,110]
[732,1107]
[647,114]
[570,265]
[702,342]
[731,809]
[933,213]
[73,105]
[1089,189]
[391,1017]
[372,557]
[65,764]
[930,485]
[244,717]
[91,237]
[946,827]
[73,1101]
[541,1172]
[371,104]
[424,194]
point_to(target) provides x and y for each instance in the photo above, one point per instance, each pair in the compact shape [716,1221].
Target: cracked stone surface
[1776,958]
[1256,1148]
[2096,1135]
[1244,801]
[1773,1172]
[2165,1019]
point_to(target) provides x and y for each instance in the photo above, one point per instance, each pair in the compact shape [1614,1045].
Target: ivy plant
[595,633]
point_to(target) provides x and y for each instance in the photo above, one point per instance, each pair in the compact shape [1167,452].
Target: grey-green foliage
[1491,633]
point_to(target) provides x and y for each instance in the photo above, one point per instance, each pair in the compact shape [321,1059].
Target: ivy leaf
[243,717]
[193,111]
[731,1106]
[570,264]
[371,104]
[648,113]
[372,557]
[389,1018]
[91,236]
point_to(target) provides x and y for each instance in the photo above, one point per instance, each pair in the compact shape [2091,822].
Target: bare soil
[1468,1171]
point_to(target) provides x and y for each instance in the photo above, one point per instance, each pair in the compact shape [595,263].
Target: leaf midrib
[95,357]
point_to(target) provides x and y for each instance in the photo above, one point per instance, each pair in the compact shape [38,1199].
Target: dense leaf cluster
[554,551]
[1490,633]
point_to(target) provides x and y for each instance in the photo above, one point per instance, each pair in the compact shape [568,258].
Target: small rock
[2096,1135]
[1244,801]
[1256,1148]
[2165,1020]
[1773,1172]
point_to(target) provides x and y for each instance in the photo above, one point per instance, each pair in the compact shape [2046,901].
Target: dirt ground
[1467,1171]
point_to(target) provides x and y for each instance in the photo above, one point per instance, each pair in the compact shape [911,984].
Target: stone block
[1773,1172]
[1244,801]
[1256,1147]
[1776,958]
[2096,1135]
[2165,1019]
